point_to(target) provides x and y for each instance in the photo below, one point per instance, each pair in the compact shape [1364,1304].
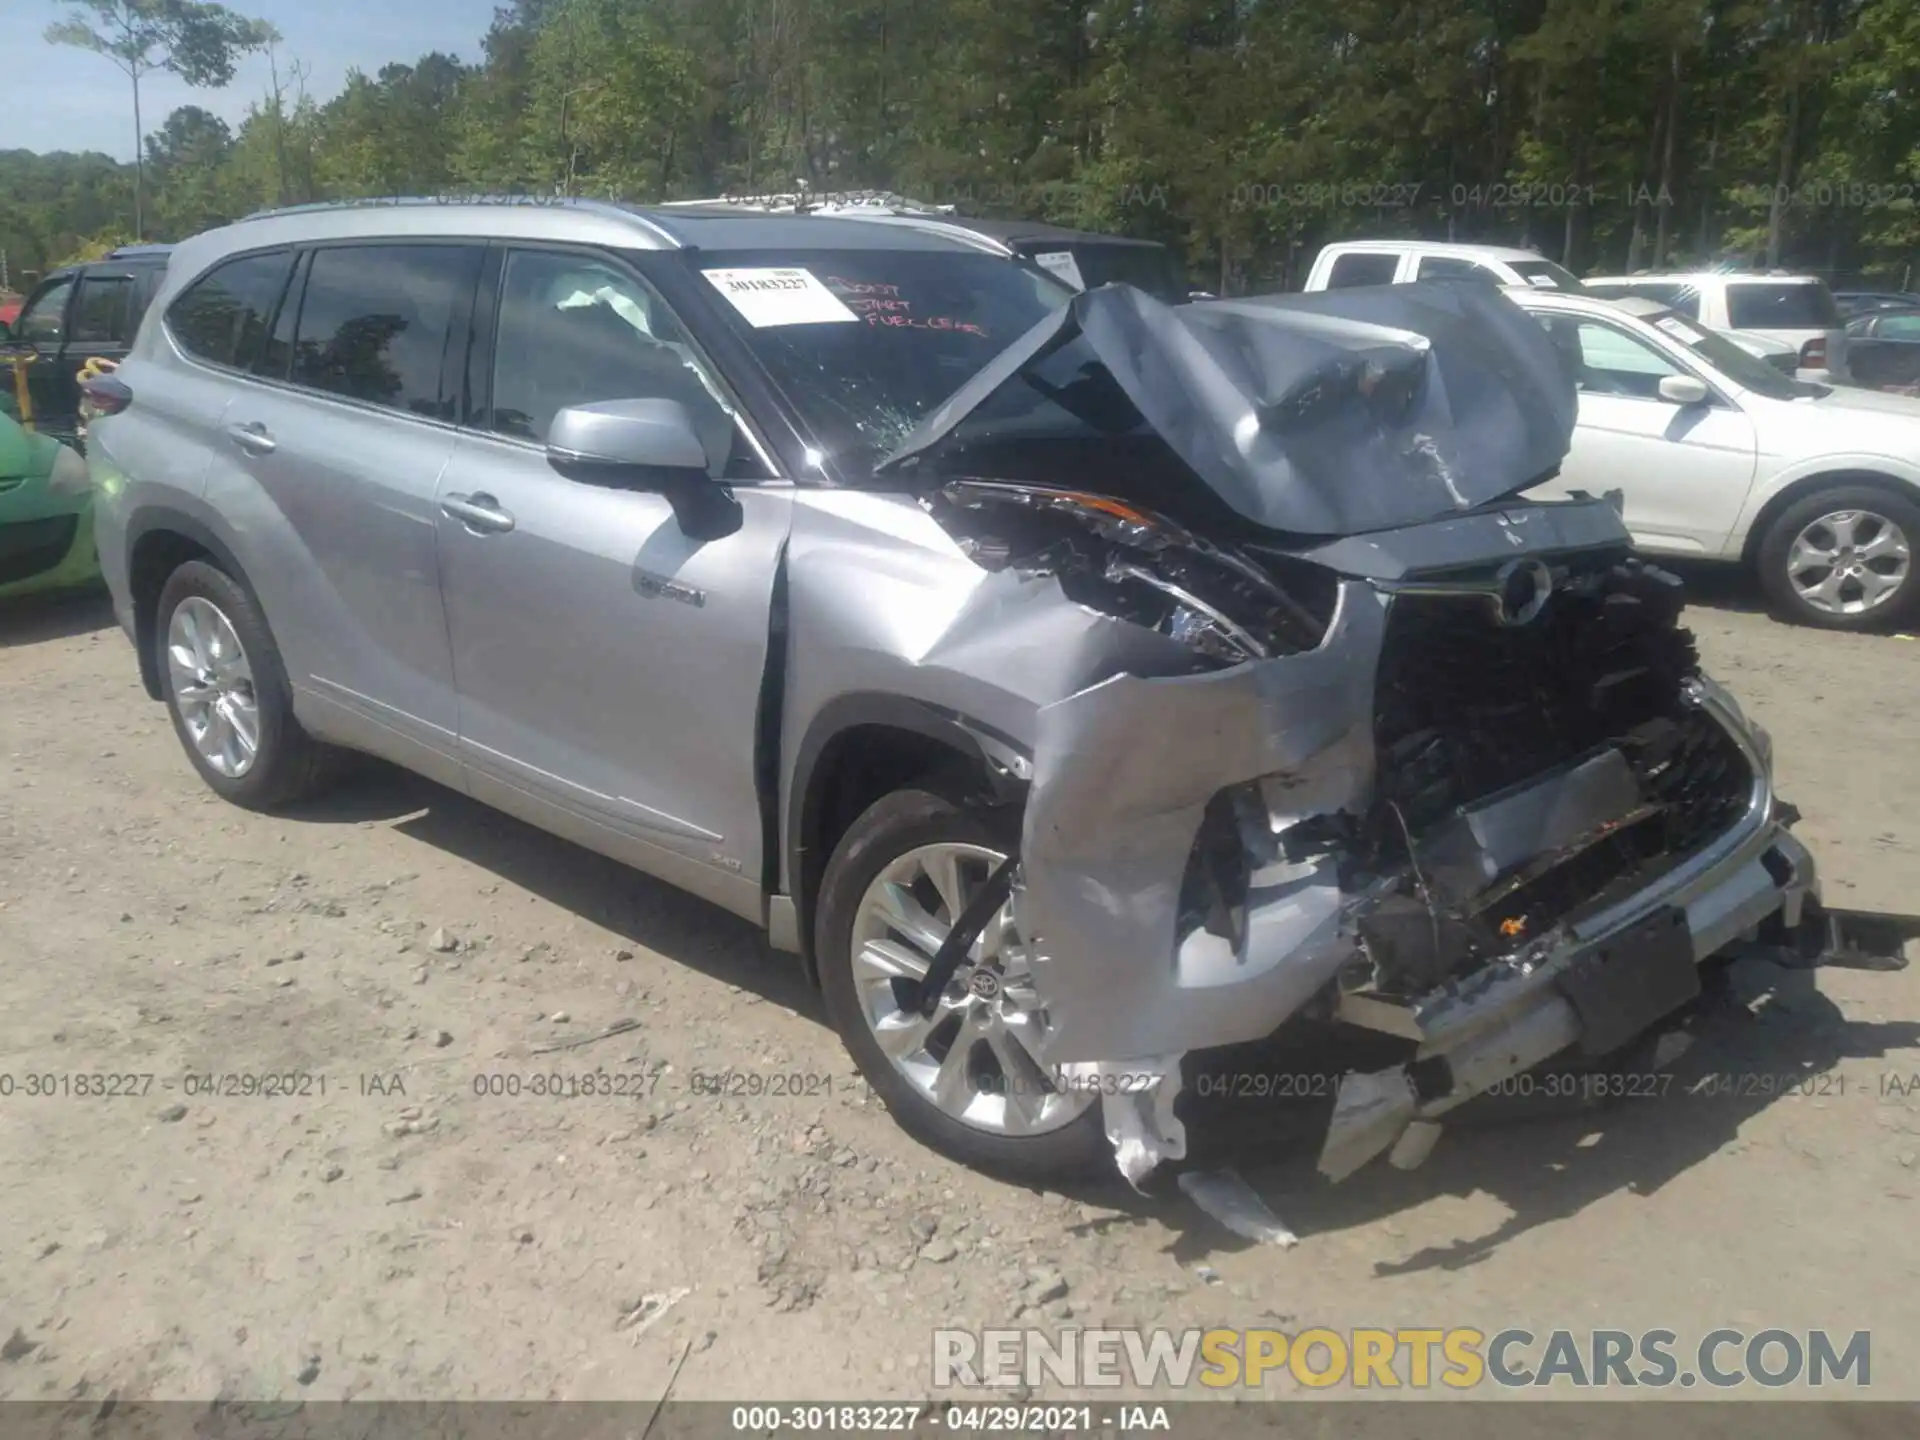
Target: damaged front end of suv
[1346,729]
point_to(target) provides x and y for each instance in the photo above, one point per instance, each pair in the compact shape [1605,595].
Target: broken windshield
[866,343]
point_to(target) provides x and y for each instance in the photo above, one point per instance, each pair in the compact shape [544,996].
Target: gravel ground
[401,1235]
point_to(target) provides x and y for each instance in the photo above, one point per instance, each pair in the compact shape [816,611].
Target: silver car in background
[1079,684]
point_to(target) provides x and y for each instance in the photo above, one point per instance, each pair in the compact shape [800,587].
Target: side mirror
[1683,389]
[646,445]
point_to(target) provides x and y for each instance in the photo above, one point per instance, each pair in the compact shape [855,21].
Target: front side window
[1358,267]
[573,330]
[222,316]
[44,321]
[1605,360]
[100,314]
[1898,327]
[376,323]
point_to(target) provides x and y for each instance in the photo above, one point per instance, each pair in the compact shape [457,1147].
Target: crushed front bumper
[1607,980]
[1112,817]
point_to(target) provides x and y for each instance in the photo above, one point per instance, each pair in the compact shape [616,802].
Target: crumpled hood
[1328,414]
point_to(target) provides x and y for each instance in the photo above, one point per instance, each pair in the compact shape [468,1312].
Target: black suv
[77,313]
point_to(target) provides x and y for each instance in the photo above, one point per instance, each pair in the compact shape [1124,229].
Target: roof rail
[378,202]
[822,202]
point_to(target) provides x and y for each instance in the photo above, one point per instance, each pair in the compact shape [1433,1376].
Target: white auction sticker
[779,297]
[1062,263]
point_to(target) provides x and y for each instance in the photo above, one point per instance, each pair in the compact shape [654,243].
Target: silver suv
[1079,684]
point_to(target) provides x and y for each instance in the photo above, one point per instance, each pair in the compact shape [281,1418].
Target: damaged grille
[1484,727]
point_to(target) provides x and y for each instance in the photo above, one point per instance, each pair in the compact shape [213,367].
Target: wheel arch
[159,541]
[1789,495]
[863,746]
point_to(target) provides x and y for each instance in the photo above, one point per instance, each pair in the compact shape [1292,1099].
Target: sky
[59,98]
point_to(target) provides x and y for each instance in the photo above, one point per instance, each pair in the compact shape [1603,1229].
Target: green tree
[187,157]
[197,41]
[609,94]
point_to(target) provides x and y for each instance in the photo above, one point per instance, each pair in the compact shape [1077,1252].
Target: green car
[46,514]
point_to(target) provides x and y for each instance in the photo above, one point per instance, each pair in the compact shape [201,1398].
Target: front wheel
[1842,559]
[968,1079]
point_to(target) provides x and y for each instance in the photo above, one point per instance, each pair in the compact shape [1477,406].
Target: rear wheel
[227,691]
[1842,559]
[967,1079]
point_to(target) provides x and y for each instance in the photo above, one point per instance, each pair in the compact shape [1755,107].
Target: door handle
[251,437]
[479,512]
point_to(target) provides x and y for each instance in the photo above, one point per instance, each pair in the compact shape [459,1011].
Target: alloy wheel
[976,1058]
[1849,562]
[213,686]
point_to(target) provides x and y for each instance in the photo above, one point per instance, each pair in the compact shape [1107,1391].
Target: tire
[1870,503]
[286,763]
[887,835]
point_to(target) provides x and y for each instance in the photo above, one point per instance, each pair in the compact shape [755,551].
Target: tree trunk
[279,131]
[139,163]
[1776,212]
[1706,190]
[1637,241]
[1664,201]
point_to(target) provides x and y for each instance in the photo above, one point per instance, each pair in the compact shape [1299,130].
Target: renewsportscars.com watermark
[1406,1358]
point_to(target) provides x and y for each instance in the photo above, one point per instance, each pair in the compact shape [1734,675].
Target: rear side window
[1803,306]
[1898,327]
[376,322]
[100,314]
[223,315]
[1357,267]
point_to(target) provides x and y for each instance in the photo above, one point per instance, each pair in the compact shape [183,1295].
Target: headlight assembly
[1141,567]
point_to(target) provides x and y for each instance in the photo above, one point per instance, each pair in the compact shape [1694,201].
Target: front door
[609,667]
[1684,470]
[43,324]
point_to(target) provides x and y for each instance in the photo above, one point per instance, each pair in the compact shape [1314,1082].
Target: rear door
[1684,470]
[609,666]
[328,460]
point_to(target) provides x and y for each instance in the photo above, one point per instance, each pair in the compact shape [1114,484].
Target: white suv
[1397,262]
[1720,457]
[1797,310]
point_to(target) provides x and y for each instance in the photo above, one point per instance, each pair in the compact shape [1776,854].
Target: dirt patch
[346,1157]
